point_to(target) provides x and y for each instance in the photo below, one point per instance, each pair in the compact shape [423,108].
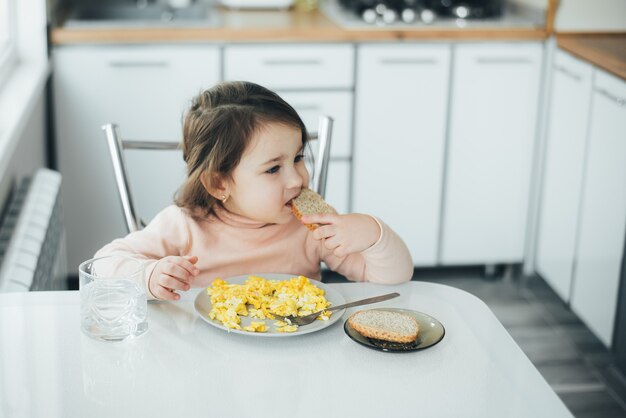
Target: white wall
[30,152]
[22,99]
[587,15]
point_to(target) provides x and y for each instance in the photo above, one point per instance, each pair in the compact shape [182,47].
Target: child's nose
[295,179]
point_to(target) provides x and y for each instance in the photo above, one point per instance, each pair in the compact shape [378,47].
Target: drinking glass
[112,300]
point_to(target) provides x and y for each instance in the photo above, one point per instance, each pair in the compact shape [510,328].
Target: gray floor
[571,359]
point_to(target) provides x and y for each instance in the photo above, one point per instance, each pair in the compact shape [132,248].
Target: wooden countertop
[279,26]
[604,51]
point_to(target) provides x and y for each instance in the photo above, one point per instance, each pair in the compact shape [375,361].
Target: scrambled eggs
[260,298]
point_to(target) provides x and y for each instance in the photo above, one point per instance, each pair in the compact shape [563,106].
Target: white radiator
[32,237]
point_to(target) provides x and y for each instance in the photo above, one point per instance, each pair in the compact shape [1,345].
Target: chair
[116,152]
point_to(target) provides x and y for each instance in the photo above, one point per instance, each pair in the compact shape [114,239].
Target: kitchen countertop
[184,367]
[604,51]
[281,26]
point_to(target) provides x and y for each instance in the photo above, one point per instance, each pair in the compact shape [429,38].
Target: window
[7,38]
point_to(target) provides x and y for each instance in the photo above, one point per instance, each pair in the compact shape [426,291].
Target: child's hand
[170,274]
[345,234]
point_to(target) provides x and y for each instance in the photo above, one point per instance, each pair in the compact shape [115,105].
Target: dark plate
[431,331]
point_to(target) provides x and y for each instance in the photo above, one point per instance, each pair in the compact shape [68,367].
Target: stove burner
[386,12]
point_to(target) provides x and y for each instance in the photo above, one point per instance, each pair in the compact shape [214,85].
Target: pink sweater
[230,245]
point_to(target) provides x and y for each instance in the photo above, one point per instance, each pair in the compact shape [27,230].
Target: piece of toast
[308,203]
[385,325]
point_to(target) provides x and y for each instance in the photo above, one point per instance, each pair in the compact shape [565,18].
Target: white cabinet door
[338,105]
[495,89]
[402,94]
[564,166]
[603,212]
[294,66]
[338,187]
[145,90]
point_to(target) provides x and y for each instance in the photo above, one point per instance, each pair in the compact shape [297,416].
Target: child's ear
[215,185]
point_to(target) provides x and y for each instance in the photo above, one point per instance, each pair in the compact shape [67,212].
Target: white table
[183,367]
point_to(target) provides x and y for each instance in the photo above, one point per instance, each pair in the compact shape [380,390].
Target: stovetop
[512,17]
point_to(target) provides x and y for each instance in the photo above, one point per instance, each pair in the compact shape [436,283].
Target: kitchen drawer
[144,89]
[291,66]
[336,104]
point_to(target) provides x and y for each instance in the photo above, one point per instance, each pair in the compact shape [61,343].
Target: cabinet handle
[619,100]
[138,64]
[498,60]
[567,72]
[408,61]
[292,62]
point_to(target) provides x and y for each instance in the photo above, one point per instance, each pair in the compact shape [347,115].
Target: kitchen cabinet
[564,167]
[402,99]
[493,113]
[315,79]
[291,66]
[602,227]
[145,89]
[338,105]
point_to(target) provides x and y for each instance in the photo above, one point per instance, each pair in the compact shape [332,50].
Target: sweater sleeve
[167,234]
[388,261]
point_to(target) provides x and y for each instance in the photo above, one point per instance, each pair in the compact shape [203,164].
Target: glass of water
[113,302]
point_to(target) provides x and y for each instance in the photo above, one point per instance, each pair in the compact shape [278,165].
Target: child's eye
[273,170]
[299,158]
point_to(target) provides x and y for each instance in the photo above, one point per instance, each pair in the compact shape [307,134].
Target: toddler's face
[271,173]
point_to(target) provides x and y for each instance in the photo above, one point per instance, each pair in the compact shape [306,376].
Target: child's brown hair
[218,127]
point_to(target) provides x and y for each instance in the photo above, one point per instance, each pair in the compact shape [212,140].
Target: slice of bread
[385,325]
[308,203]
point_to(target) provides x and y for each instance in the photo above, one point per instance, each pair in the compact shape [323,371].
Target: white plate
[431,331]
[203,307]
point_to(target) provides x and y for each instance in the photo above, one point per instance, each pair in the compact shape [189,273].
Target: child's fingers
[332,243]
[173,283]
[186,263]
[179,272]
[320,218]
[337,247]
[165,294]
[191,258]
[324,231]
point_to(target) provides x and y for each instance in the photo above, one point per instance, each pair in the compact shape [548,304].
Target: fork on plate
[307,319]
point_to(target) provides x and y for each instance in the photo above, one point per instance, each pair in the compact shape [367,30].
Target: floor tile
[596,404]
[520,313]
[599,360]
[549,350]
[584,339]
[570,375]
[616,382]
[540,289]
[560,314]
